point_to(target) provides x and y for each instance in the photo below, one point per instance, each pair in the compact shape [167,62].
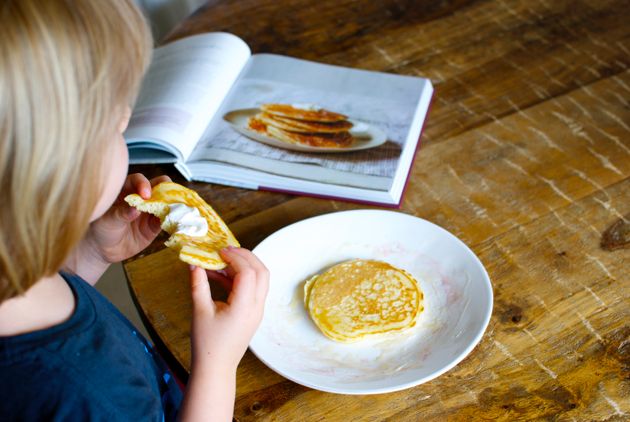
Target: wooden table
[525,157]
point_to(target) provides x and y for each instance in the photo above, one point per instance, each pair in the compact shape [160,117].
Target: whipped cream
[305,106]
[187,220]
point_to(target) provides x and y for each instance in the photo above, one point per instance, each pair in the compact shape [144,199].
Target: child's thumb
[200,289]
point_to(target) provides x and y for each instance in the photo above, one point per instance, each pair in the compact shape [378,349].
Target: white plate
[458,302]
[370,137]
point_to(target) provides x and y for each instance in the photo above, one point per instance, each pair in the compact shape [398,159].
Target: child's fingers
[221,277]
[262,273]
[251,259]
[244,284]
[229,272]
[121,212]
[125,212]
[137,183]
[149,225]
[200,291]
[242,255]
[157,180]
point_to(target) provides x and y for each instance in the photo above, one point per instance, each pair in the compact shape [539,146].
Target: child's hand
[221,331]
[123,231]
[120,233]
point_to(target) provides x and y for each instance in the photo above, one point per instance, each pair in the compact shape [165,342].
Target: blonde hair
[67,70]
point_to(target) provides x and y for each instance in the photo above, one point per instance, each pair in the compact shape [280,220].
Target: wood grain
[525,157]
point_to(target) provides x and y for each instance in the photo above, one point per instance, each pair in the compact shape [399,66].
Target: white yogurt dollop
[187,220]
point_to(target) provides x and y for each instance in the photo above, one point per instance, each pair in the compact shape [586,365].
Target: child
[69,69]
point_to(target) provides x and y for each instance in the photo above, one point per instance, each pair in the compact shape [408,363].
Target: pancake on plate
[303,112]
[303,124]
[360,298]
[197,232]
[321,140]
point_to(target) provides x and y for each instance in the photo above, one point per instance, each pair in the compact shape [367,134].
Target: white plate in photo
[368,137]
[457,302]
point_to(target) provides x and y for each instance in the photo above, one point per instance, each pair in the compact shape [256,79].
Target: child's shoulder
[95,362]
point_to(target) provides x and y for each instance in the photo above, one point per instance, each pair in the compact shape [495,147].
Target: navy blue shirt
[94,366]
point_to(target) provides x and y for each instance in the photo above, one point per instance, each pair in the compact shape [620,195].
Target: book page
[384,101]
[184,86]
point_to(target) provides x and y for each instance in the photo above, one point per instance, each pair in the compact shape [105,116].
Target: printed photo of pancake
[305,128]
[304,112]
[304,124]
[360,298]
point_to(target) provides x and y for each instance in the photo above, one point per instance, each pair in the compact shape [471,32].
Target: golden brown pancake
[287,110]
[303,126]
[316,128]
[202,251]
[362,298]
[329,140]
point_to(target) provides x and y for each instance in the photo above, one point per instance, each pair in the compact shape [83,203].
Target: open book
[203,94]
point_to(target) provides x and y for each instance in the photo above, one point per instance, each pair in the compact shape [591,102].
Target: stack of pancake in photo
[303,124]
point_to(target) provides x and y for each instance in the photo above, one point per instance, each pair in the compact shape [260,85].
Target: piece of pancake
[328,140]
[303,126]
[202,251]
[360,298]
[292,112]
